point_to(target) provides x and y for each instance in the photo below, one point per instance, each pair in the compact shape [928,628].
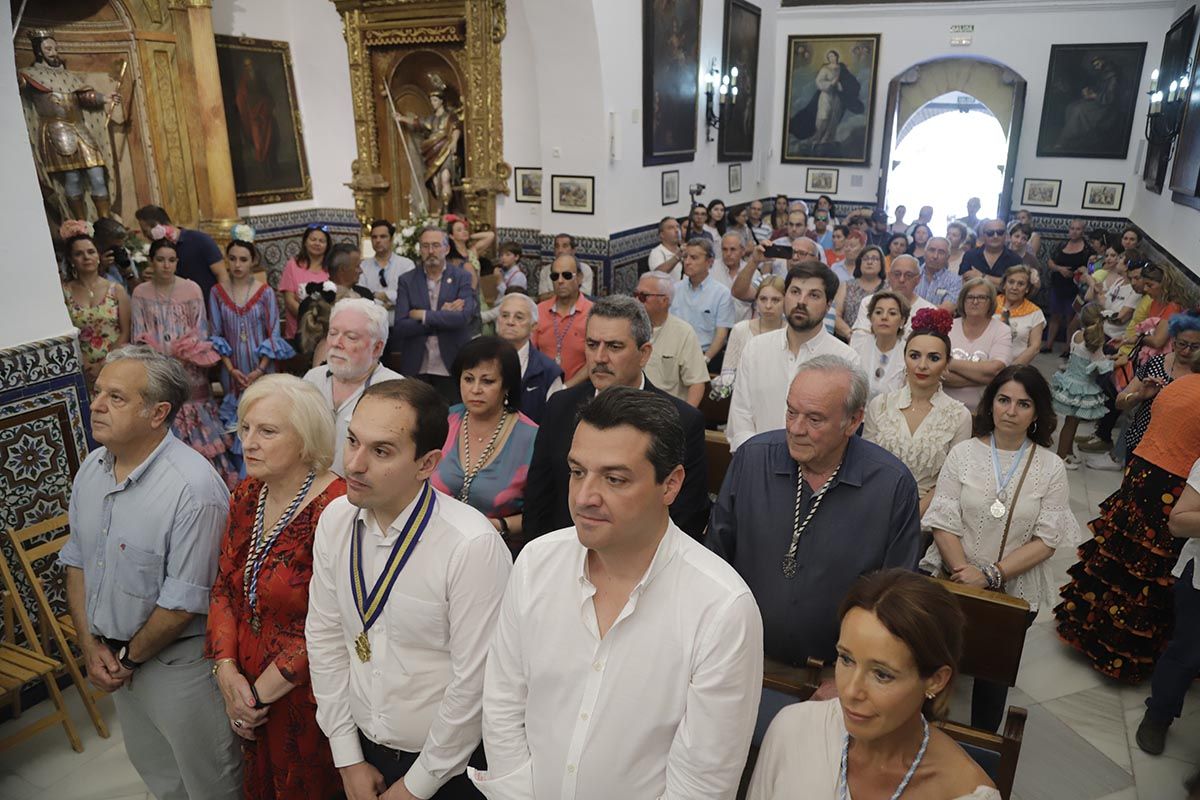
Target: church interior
[597,119]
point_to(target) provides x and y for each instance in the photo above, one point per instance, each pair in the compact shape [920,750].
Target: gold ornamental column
[213,166]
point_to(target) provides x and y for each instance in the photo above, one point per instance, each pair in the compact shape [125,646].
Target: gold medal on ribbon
[362,647]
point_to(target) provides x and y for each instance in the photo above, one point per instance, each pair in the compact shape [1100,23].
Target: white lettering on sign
[962,28]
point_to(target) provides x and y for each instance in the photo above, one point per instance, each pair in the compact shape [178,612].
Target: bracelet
[993,576]
[503,526]
[258,703]
[217,664]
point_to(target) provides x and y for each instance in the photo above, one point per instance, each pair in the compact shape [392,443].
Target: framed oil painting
[821,181]
[1091,92]
[670,80]
[735,137]
[572,194]
[1041,192]
[829,99]
[1102,195]
[266,138]
[527,185]
[670,187]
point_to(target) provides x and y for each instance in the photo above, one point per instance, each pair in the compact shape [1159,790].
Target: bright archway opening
[952,149]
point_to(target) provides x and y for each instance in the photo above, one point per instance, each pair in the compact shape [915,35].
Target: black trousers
[1104,428]
[1180,662]
[446,386]
[394,765]
[988,702]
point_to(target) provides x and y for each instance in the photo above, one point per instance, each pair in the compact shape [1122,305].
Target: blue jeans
[1180,662]
[73,182]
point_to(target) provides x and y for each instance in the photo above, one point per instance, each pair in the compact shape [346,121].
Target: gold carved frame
[467,33]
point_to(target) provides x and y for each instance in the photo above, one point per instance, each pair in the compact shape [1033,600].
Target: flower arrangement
[139,250]
[404,243]
[934,320]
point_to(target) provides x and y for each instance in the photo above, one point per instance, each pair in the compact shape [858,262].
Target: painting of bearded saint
[1091,92]
[829,100]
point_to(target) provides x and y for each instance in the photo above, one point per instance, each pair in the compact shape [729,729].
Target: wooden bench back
[995,632]
[718,457]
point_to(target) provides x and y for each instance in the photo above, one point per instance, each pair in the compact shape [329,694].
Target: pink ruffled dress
[175,325]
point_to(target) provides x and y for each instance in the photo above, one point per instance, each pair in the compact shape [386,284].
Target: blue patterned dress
[245,335]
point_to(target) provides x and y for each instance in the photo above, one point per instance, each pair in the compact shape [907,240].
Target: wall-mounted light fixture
[1165,116]
[725,87]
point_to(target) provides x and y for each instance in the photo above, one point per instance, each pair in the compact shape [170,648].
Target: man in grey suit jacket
[434,306]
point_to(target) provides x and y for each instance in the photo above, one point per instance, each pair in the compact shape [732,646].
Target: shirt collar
[368,523]
[850,472]
[668,546]
[136,473]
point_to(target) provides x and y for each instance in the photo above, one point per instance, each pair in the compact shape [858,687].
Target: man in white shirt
[902,278]
[733,258]
[358,331]
[771,360]
[754,213]
[406,587]
[677,364]
[627,660]
[381,272]
[668,255]
[564,245]
[746,284]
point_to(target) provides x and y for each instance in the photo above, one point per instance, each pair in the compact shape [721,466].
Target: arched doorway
[960,92]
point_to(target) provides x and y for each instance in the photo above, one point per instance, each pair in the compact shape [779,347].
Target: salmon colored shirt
[1172,440]
[568,329]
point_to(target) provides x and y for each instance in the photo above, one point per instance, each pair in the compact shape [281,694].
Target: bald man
[561,321]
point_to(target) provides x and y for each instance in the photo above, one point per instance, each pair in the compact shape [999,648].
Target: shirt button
[571,768]
[583,716]
[378,673]
[598,666]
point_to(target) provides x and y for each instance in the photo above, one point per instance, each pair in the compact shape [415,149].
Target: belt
[113,644]
[382,749]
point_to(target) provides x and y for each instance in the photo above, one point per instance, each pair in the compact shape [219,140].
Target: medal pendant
[255,623]
[789,566]
[362,647]
[997,509]
[558,359]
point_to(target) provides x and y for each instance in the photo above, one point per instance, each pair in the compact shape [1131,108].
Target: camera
[696,188]
[120,257]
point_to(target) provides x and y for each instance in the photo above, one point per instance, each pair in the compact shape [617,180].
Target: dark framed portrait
[572,194]
[670,80]
[735,178]
[266,138]
[1103,195]
[670,187]
[735,137]
[1091,92]
[1174,64]
[1185,174]
[527,184]
[829,99]
[1041,192]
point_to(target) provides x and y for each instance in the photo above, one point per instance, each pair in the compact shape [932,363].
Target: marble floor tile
[1051,669]
[107,777]
[1129,793]
[1183,741]
[14,787]
[1160,777]
[46,757]
[1059,764]
[1097,715]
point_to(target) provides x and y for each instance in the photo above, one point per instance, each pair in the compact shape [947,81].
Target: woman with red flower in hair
[919,423]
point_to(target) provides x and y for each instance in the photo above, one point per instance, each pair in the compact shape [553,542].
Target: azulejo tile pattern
[43,438]
[278,235]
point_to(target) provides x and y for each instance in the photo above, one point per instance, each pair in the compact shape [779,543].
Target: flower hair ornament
[76,227]
[933,320]
[328,290]
[168,232]
[242,233]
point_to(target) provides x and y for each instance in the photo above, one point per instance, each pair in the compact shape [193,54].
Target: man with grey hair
[677,364]
[358,331]
[703,302]
[903,276]
[806,510]
[617,348]
[434,308]
[147,514]
[733,261]
[540,376]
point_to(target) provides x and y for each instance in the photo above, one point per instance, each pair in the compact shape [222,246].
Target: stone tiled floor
[1078,740]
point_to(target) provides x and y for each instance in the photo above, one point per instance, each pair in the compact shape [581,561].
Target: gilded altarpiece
[436,63]
[169,146]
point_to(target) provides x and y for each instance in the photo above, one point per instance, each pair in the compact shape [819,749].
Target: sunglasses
[642,297]
[316,227]
[999,232]
[566,276]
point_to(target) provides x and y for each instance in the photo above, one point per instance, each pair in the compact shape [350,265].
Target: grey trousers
[176,732]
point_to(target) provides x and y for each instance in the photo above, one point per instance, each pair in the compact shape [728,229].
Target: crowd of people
[472,551]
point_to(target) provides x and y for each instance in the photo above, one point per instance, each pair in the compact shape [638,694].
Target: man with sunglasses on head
[561,320]
[992,257]
[381,272]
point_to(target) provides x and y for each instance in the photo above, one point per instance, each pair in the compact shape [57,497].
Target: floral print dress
[99,328]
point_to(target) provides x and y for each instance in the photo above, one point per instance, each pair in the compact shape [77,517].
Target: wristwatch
[125,660]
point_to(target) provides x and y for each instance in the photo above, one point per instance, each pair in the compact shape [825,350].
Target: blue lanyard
[1001,485]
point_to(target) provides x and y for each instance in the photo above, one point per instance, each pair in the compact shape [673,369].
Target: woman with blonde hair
[260,597]
[1024,318]
[982,345]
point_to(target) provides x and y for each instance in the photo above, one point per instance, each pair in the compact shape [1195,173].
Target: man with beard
[771,359]
[357,333]
[434,308]
[68,132]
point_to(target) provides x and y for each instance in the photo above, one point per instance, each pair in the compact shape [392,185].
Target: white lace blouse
[923,452]
[967,488]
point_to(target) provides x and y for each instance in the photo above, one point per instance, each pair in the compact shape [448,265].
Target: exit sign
[962,28]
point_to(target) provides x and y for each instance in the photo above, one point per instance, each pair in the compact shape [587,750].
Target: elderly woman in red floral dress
[260,598]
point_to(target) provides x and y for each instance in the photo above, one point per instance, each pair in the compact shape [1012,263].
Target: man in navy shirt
[200,259]
[992,258]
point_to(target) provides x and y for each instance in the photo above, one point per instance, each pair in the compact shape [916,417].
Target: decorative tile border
[278,235]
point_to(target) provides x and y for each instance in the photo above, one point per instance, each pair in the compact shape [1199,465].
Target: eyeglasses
[642,297]
[566,276]
[994,232]
[902,274]
[1189,346]
[978,298]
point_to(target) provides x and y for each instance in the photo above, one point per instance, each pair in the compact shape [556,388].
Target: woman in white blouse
[1002,507]
[897,652]
[918,423]
[1020,314]
[982,345]
[881,351]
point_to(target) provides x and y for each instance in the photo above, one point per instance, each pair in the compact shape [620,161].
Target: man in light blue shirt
[147,514]
[704,302]
[939,285]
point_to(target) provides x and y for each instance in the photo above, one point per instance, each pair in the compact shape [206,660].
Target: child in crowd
[1074,389]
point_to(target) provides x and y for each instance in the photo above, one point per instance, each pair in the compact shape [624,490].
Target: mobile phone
[777,251]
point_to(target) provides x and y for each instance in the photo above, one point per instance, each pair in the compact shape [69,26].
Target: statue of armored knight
[67,121]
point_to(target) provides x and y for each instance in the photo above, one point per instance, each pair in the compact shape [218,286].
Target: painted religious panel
[1091,92]
[670,80]
[266,139]
[735,137]
[829,99]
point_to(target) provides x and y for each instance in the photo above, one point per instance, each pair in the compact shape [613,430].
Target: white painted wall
[322,74]
[32,308]
[1017,33]
[521,116]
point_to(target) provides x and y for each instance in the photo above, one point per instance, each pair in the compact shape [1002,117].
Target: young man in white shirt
[406,587]
[771,360]
[627,660]
[381,272]
[668,255]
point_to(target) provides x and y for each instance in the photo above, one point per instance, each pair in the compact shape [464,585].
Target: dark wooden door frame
[891,124]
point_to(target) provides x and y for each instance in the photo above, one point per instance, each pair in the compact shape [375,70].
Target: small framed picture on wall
[1041,192]
[527,185]
[1102,196]
[670,187]
[572,194]
[735,178]
[822,181]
